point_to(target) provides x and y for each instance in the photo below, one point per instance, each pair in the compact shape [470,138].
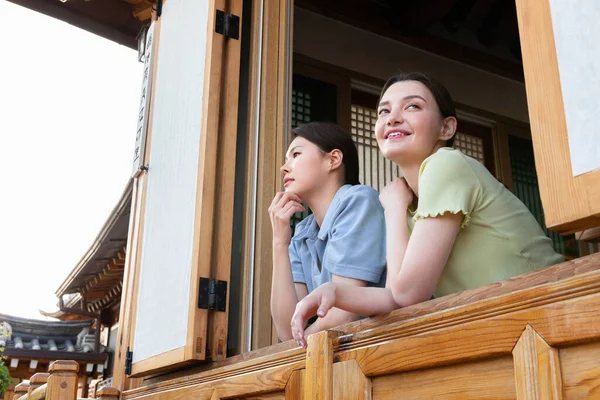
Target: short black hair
[328,137]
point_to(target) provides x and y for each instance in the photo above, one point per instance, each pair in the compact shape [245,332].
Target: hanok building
[224,83]
[31,345]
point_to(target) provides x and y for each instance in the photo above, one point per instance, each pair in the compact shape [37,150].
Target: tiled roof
[29,334]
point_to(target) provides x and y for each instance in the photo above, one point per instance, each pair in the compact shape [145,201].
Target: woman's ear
[336,158]
[448,128]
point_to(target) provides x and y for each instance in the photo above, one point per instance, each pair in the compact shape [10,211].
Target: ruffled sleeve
[447,185]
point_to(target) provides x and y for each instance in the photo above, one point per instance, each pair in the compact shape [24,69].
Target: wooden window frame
[206,335]
[571,203]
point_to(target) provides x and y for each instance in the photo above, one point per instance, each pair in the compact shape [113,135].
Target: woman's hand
[396,195]
[318,302]
[283,206]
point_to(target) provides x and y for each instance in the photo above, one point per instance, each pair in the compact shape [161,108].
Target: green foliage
[5,379]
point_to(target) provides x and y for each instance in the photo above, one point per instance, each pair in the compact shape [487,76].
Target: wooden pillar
[21,390]
[108,393]
[36,381]
[318,382]
[62,383]
[537,368]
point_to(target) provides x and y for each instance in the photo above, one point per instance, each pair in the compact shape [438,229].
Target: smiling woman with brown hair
[450,225]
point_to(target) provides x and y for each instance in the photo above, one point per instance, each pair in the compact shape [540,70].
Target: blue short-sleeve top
[350,243]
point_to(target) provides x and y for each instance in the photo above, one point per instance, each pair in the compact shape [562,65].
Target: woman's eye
[383,110]
[295,154]
[413,107]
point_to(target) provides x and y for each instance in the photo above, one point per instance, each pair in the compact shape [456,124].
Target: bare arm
[338,316]
[284,292]
[414,266]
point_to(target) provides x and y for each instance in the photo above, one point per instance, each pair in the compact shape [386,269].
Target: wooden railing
[536,336]
[59,384]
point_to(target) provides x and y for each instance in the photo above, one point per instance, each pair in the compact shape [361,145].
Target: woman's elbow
[405,297]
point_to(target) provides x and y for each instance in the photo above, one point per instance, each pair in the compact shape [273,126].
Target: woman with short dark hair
[342,241]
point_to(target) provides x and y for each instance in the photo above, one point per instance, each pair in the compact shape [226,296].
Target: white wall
[345,46]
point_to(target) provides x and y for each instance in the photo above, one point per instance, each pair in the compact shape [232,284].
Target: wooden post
[318,382]
[62,383]
[293,389]
[108,393]
[349,382]
[36,381]
[10,392]
[537,368]
[21,390]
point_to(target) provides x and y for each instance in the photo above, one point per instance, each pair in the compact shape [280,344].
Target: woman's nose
[394,117]
[284,169]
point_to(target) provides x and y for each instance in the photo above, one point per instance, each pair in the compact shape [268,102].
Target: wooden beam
[62,11]
[363,15]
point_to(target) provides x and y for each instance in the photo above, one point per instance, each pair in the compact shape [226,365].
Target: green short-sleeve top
[498,239]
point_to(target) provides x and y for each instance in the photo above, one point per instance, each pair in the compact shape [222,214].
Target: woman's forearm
[283,292]
[397,237]
[363,301]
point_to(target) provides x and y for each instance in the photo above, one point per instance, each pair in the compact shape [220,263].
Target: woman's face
[409,127]
[305,169]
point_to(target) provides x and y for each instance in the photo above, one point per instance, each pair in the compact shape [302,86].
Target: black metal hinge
[128,361]
[212,294]
[228,25]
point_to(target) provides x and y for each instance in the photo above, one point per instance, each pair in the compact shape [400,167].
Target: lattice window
[301,104]
[470,145]
[375,170]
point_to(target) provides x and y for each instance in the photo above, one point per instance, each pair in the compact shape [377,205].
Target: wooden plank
[448,337]
[225,190]
[263,379]
[589,235]
[268,176]
[537,368]
[36,381]
[160,362]
[487,379]
[108,393]
[570,203]
[293,389]
[202,250]
[349,382]
[318,382]
[132,255]
[268,396]
[523,284]
[581,371]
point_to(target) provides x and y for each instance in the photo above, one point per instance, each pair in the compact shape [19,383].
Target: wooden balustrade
[535,336]
[21,390]
[59,384]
